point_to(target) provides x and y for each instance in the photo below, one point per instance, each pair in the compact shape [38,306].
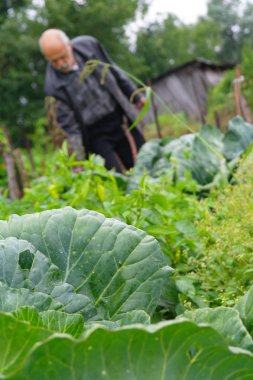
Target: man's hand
[77,169]
[140,102]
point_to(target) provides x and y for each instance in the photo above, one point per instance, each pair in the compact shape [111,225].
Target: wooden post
[30,158]
[154,109]
[21,167]
[245,110]
[14,183]
[15,191]
[217,119]
[237,91]
[130,139]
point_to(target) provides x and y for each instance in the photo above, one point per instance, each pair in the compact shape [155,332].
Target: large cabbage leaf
[178,350]
[234,324]
[204,155]
[178,153]
[238,138]
[148,155]
[52,320]
[27,278]
[227,322]
[245,308]
[79,261]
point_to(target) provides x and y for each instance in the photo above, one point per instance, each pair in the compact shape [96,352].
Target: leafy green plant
[79,261]
[227,322]
[203,156]
[234,324]
[70,282]
[65,271]
[179,350]
[246,65]
[222,271]
[221,100]
[159,207]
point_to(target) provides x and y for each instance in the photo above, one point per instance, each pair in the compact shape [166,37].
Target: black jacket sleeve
[67,121]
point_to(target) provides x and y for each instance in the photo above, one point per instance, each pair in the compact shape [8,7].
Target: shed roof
[200,63]
[185,88]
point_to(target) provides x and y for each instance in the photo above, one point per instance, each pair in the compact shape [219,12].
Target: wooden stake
[14,183]
[21,167]
[154,109]
[237,91]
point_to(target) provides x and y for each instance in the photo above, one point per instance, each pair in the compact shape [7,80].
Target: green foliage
[162,207]
[158,207]
[79,262]
[204,37]
[226,15]
[179,350]
[166,40]
[52,320]
[234,19]
[223,270]
[28,278]
[227,322]
[245,309]
[21,75]
[10,5]
[103,19]
[204,156]
[221,99]
[237,139]
[246,68]
[234,324]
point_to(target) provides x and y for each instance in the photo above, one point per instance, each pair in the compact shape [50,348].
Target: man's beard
[64,68]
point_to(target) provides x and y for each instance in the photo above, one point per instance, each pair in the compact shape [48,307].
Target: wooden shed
[185,88]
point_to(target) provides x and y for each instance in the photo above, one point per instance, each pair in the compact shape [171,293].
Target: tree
[8,5]
[246,26]
[161,46]
[205,39]
[235,21]
[21,67]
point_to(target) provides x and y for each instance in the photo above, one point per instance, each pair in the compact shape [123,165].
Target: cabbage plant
[79,262]
[179,350]
[209,156]
[76,294]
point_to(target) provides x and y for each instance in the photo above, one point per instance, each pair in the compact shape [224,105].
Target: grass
[171,125]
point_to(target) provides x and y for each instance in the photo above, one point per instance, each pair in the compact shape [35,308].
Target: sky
[187,10]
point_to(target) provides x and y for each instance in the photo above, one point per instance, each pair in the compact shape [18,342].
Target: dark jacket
[60,86]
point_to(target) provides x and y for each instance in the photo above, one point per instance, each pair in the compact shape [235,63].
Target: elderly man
[94,113]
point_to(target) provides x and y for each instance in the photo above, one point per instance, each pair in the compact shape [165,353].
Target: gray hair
[62,36]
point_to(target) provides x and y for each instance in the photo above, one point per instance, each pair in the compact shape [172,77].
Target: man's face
[61,57]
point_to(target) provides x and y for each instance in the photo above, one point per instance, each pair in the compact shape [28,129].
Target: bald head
[56,47]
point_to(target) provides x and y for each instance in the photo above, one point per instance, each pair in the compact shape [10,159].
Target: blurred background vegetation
[223,35]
